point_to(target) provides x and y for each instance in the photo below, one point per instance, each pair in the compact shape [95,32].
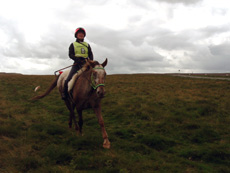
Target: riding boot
[65,92]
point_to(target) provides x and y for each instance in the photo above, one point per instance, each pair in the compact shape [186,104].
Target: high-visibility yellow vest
[81,49]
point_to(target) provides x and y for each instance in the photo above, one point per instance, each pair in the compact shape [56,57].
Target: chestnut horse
[87,92]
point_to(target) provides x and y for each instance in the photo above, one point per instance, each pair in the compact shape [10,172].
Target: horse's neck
[85,79]
[86,76]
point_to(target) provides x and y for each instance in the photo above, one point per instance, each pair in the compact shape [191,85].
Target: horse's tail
[52,86]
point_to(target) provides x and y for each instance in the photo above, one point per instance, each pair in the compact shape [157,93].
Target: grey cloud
[129,50]
[126,50]
[93,2]
[135,19]
[105,36]
[173,42]
[73,14]
[118,46]
[220,11]
[221,50]
[185,2]
[56,44]
[153,57]
[145,66]
[147,4]
[143,53]
[212,30]
[169,40]
[51,45]
[213,58]
[15,45]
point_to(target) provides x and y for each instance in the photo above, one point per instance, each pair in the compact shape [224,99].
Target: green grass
[155,123]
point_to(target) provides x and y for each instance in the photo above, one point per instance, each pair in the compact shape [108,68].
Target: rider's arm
[90,53]
[72,53]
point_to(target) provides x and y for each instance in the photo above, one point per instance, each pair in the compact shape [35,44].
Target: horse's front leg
[106,143]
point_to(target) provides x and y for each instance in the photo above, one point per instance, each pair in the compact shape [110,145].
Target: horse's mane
[90,64]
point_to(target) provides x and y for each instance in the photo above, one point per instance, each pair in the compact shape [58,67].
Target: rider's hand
[82,59]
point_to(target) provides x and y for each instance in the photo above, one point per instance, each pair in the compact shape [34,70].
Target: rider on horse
[80,52]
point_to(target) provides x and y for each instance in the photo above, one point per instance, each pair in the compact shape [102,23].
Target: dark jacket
[79,59]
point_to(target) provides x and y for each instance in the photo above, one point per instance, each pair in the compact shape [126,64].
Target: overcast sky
[137,36]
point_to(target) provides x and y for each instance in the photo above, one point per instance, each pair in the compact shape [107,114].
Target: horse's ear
[104,63]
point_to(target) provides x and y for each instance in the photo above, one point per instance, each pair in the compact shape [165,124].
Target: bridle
[93,84]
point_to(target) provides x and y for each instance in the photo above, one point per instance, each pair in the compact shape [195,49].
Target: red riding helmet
[79,29]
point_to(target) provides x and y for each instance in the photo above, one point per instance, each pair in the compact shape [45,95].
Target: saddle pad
[75,76]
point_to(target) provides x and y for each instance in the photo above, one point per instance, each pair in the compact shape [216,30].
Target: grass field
[155,123]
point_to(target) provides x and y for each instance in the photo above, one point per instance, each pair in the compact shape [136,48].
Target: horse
[87,92]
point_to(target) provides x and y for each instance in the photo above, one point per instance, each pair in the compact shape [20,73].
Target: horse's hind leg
[80,122]
[70,121]
[71,114]
[68,105]
[75,122]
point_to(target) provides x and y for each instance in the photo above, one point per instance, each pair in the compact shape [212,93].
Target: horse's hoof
[106,144]
[78,133]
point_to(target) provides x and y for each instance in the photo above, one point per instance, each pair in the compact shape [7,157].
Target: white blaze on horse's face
[99,77]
